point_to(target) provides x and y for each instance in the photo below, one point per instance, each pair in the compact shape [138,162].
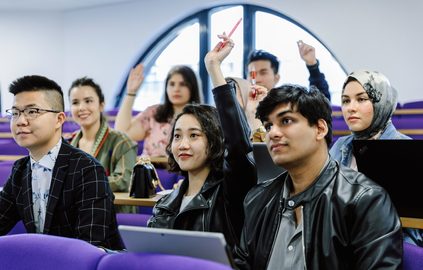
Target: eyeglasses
[29,113]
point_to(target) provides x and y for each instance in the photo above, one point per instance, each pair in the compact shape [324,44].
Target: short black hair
[263,55]
[54,93]
[85,81]
[208,118]
[312,104]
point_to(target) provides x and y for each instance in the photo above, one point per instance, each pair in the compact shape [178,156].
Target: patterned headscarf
[383,97]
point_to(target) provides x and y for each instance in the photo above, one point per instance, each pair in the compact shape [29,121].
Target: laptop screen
[396,165]
[205,245]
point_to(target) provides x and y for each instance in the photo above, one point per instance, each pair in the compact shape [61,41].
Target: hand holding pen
[230,34]
[253,75]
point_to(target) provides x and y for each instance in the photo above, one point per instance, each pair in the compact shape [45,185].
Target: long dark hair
[208,118]
[165,111]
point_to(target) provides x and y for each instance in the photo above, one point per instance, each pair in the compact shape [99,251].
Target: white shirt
[42,172]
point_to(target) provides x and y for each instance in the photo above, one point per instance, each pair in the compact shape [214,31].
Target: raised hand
[307,53]
[216,56]
[135,79]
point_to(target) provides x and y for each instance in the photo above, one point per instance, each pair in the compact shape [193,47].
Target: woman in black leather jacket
[216,158]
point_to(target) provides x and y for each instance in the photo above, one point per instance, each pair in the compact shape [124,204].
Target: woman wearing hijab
[368,102]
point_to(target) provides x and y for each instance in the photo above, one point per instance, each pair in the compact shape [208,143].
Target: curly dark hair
[312,104]
[165,111]
[208,118]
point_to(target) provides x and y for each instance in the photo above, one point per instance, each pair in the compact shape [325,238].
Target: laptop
[266,169]
[205,245]
[396,165]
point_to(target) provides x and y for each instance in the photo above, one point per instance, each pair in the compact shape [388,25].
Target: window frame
[153,51]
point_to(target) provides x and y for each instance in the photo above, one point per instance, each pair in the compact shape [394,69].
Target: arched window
[187,42]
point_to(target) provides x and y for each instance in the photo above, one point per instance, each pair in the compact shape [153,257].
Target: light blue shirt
[42,172]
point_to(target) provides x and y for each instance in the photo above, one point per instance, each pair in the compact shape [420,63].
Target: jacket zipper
[303,240]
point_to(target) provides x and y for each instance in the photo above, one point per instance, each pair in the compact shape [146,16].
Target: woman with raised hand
[153,125]
[113,149]
[215,156]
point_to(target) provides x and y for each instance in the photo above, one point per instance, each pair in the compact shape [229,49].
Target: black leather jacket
[349,222]
[218,207]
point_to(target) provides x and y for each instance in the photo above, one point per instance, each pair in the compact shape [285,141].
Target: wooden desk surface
[122,198]
[412,223]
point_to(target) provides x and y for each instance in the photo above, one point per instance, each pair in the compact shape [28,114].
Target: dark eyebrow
[190,129]
[282,113]
[359,94]
[27,106]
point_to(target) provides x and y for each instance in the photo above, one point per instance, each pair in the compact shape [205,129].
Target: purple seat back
[5,170]
[168,179]
[137,261]
[8,146]
[40,251]
[413,257]
[413,105]
[19,228]
[132,219]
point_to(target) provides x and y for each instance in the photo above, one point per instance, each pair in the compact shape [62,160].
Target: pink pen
[230,33]
[253,75]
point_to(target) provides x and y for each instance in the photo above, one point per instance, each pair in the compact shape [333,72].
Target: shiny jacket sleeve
[239,166]
[376,232]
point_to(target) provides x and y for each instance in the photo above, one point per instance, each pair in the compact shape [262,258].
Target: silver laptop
[205,245]
[266,169]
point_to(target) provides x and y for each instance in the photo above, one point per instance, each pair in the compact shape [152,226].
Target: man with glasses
[265,67]
[57,189]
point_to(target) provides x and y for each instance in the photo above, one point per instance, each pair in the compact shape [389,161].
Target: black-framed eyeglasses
[29,113]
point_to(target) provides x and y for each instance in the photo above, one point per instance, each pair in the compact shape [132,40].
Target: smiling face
[289,138]
[40,134]
[357,107]
[177,90]
[86,108]
[189,145]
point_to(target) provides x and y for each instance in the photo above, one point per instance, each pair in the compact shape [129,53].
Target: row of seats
[38,251]
[52,252]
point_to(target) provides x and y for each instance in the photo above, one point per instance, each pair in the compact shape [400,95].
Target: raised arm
[124,120]
[308,54]
[239,167]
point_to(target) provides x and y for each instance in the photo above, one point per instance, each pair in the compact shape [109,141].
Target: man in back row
[266,66]
[57,189]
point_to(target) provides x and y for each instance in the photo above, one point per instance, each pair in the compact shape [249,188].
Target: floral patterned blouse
[157,134]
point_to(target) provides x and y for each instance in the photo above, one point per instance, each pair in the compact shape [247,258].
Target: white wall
[30,43]
[104,42]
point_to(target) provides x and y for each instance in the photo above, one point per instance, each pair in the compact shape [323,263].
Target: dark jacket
[349,222]
[318,79]
[218,207]
[80,203]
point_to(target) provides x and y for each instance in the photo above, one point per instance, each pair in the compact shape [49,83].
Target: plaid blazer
[80,203]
